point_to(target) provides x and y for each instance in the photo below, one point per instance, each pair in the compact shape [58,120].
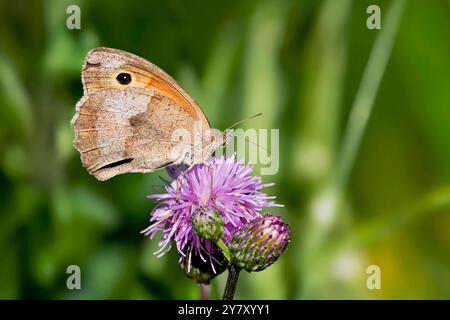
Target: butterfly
[134,117]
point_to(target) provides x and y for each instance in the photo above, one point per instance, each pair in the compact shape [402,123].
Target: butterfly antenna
[243,120]
[259,146]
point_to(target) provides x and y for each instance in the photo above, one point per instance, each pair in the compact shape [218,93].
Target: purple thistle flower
[259,243]
[220,184]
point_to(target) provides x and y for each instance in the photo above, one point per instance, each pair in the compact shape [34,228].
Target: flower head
[223,185]
[259,243]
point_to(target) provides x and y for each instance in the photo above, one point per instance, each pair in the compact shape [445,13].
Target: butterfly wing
[128,125]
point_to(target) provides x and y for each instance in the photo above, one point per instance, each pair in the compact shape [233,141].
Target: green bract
[259,243]
[208,224]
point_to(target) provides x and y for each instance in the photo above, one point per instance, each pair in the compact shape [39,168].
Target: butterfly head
[213,140]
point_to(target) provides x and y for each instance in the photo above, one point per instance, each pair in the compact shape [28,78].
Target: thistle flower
[223,185]
[259,243]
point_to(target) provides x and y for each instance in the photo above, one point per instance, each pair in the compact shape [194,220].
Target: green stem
[230,288]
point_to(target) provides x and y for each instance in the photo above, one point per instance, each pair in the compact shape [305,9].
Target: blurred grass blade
[261,81]
[325,66]
[367,92]
[325,203]
[263,93]
[321,88]
[216,80]
[15,102]
[383,225]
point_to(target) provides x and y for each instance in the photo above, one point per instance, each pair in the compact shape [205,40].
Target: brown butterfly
[131,115]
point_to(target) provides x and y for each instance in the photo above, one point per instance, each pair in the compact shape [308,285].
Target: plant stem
[204,291]
[230,289]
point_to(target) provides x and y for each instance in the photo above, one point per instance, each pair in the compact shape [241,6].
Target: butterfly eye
[124,78]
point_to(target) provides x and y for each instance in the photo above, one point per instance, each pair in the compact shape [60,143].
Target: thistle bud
[259,243]
[207,224]
[203,271]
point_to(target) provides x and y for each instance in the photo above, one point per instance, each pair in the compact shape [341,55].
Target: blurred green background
[384,201]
